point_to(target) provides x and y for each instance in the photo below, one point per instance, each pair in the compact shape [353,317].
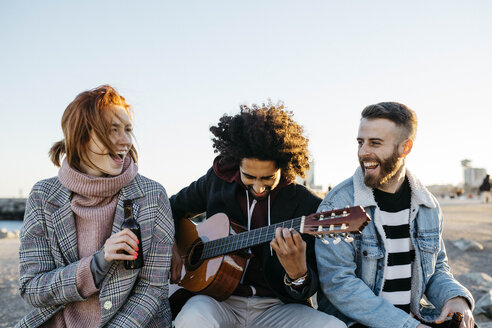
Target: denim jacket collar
[363,194]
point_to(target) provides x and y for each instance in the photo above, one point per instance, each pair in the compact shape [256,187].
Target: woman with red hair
[73,248]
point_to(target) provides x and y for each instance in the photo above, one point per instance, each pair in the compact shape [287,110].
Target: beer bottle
[456,320]
[134,227]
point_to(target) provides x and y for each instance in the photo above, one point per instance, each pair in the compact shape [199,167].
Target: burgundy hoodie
[252,283]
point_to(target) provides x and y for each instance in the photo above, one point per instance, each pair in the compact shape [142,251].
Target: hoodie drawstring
[250,214]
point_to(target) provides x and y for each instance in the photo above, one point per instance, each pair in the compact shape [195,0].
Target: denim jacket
[352,273]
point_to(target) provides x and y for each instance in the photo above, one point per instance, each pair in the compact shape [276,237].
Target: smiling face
[260,177]
[381,153]
[101,161]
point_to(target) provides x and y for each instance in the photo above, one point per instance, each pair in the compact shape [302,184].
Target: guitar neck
[246,239]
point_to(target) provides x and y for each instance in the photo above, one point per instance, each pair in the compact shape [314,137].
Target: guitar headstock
[336,223]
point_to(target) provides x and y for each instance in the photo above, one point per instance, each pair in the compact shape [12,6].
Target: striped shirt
[395,216]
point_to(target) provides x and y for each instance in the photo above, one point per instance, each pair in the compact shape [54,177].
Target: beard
[389,168]
[267,191]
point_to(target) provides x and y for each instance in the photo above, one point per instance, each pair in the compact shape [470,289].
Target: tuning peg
[349,239]
[333,214]
[324,240]
[336,240]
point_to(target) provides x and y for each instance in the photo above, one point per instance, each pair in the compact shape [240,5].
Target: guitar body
[217,277]
[213,251]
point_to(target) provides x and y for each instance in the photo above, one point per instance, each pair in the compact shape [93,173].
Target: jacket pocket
[428,243]
[371,251]
[370,256]
[367,248]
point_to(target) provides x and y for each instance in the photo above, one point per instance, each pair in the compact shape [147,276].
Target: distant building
[472,176]
[12,208]
[308,181]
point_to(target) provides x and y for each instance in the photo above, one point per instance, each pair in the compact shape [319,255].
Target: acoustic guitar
[213,263]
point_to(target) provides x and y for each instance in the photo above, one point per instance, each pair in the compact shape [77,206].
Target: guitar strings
[253,236]
[244,240]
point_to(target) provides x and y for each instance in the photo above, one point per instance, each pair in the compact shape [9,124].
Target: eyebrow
[252,176]
[371,139]
[119,124]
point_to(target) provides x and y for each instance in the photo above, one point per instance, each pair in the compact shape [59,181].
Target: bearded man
[380,278]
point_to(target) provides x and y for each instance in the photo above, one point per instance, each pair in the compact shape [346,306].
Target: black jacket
[485,186]
[213,195]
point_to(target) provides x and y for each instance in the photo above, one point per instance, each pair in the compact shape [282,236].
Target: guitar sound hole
[193,258]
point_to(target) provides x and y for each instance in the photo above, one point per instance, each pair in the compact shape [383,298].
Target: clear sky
[183,64]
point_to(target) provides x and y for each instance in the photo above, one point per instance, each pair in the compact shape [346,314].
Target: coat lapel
[117,280]
[131,192]
[63,221]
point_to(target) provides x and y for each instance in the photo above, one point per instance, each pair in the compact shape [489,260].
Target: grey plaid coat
[49,257]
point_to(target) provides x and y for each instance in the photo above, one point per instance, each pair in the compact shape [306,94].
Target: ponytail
[57,151]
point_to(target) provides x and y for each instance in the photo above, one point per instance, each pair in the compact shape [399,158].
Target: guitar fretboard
[246,239]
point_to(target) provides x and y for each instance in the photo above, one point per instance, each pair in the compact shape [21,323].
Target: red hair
[91,110]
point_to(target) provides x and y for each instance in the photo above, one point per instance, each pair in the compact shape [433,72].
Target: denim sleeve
[442,286]
[347,292]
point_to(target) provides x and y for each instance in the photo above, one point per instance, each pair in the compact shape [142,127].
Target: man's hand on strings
[291,252]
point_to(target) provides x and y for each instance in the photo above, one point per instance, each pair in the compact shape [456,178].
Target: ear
[406,147]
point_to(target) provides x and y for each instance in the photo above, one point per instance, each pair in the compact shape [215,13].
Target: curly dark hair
[265,132]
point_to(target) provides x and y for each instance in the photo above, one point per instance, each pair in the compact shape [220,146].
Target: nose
[363,150]
[125,139]
[258,187]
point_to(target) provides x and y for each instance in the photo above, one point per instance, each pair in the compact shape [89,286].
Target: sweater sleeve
[99,267]
[84,279]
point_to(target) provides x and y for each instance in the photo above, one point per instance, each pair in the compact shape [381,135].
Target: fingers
[120,251]
[176,265]
[444,314]
[468,320]
[441,318]
[175,273]
[126,236]
[291,251]
[123,245]
[457,304]
[287,241]
[129,233]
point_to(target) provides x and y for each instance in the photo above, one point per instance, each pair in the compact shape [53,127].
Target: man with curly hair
[261,151]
